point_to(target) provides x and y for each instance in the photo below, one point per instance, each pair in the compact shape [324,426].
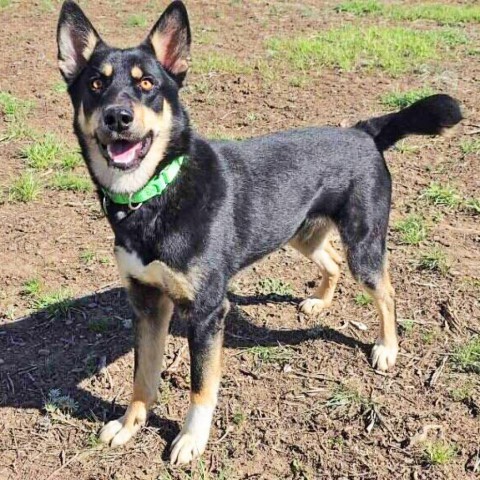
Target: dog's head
[126,104]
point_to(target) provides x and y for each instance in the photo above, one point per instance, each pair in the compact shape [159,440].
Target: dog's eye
[146,84]
[96,84]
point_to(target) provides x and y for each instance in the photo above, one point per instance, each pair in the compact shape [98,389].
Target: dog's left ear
[170,39]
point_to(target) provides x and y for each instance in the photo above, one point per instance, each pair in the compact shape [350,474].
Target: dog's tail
[429,116]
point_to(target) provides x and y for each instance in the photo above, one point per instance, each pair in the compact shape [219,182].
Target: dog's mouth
[126,154]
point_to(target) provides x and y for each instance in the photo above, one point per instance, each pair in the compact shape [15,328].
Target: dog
[189,213]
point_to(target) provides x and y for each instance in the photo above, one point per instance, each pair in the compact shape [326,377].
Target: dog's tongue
[124,152]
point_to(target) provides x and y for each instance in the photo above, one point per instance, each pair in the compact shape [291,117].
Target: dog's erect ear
[76,40]
[170,39]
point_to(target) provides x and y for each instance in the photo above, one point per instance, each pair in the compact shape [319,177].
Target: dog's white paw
[312,306]
[192,440]
[383,356]
[117,432]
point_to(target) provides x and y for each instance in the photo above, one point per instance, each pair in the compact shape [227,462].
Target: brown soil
[273,420]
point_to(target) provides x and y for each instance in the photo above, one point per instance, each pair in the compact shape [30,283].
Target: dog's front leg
[153,313]
[205,339]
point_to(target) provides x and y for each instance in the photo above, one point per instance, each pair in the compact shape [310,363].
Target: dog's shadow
[59,347]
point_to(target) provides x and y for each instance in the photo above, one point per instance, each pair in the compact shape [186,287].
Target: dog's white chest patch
[177,285]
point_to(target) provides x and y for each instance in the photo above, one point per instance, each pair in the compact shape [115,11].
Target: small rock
[287,368]
[44,352]
[2,361]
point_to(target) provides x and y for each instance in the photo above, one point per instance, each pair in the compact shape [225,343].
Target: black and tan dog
[188,213]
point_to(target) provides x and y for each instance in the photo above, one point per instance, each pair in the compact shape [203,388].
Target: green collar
[153,188]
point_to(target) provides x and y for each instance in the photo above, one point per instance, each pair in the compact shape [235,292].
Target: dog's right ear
[76,38]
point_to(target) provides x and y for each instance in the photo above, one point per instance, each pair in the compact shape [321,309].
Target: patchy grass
[270,354]
[15,111]
[363,299]
[137,20]
[462,393]
[32,287]
[435,260]
[470,146]
[439,453]
[5,3]
[412,229]
[274,286]
[99,325]
[395,50]
[359,7]
[58,403]
[344,396]
[69,159]
[467,357]
[60,87]
[399,100]
[442,195]
[14,108]
[42,154]
[472,205]
[59,302]
[442,14]
[25,188]
[238,418]
[87,257]
[216,63]
[48,152]
[72,182]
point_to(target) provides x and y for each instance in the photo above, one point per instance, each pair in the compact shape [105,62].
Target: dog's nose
[117,118]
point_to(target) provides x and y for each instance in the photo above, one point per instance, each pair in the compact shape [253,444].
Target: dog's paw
[192,440]
[118,432]
[312,306]
[186,447]
[383,356]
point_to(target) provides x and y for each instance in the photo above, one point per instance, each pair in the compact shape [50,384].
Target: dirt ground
[298,396]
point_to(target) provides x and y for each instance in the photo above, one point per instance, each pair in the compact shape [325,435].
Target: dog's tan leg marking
[385,350]
[316,246]
[192,440]
[151,334]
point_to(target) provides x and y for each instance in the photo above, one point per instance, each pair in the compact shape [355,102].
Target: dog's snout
[118,119]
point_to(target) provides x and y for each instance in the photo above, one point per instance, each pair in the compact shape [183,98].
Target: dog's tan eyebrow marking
[137,73]
[107,69]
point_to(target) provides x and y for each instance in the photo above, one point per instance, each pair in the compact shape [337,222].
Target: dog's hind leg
[153,313]
[313,242]
[363,228]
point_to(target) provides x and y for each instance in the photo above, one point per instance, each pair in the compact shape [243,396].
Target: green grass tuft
[470,146]
[71,181]
[99,325]
[59,302]
[270,354]
[32,287]
[220,64]
[412,229]
[442,195]
[399,100]
[395,50]
[58,403]
[467,357]
[439,453]
[15,111]
[363,299]
[42,154]
[25,188]
[440,13]
[13,108]
[274,286]
[344,396]
[5,3]
[434,260]
[359,7]
[472,205]
[137,20]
